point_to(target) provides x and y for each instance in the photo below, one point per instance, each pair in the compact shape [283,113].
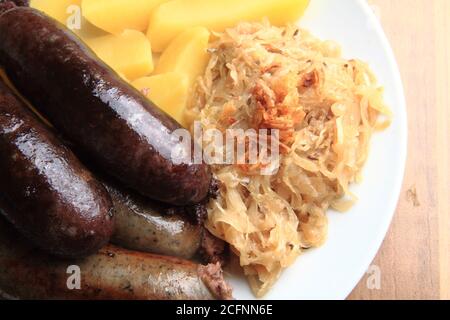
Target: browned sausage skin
[106,118]
[44,190]
[144,225]
[112,273]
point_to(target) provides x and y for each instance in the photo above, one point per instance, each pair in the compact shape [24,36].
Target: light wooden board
[414,261]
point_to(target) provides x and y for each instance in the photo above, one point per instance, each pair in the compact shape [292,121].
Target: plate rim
[402,116]
[401,126]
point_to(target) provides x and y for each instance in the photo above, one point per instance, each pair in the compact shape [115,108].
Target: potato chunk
[171,18]
[169,91]
[186,54]
[57,9]
[128,53]
[115,16]
[68,12]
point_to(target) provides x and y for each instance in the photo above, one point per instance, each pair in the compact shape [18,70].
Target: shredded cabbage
[326,108]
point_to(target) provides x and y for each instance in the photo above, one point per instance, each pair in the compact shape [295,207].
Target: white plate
[332,271]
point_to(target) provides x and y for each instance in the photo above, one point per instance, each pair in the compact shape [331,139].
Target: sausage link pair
[112,273]
[106,118]
[44,190]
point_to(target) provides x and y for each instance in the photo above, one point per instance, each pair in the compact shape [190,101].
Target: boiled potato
[68,12]
[57,9]
[171,18]
[186,54]
[88,30]
[128,53]
[169,91]
[115,16]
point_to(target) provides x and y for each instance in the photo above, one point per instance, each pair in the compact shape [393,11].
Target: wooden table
[414,261]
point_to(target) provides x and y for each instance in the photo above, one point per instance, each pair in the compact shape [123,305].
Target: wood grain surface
[414,261]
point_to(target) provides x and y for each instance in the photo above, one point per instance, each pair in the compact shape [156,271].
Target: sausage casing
[106,118]
[112,273]
[44,190]
[143,225]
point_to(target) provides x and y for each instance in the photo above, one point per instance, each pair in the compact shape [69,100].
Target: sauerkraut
[325,108]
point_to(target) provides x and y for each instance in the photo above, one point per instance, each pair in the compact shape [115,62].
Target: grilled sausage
[143,225]
[44,190]
[112,273]
[109,120]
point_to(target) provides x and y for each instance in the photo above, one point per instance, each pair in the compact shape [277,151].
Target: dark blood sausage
[45,192]
[21,3]
[111,122]
[144,225]
[112,273]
